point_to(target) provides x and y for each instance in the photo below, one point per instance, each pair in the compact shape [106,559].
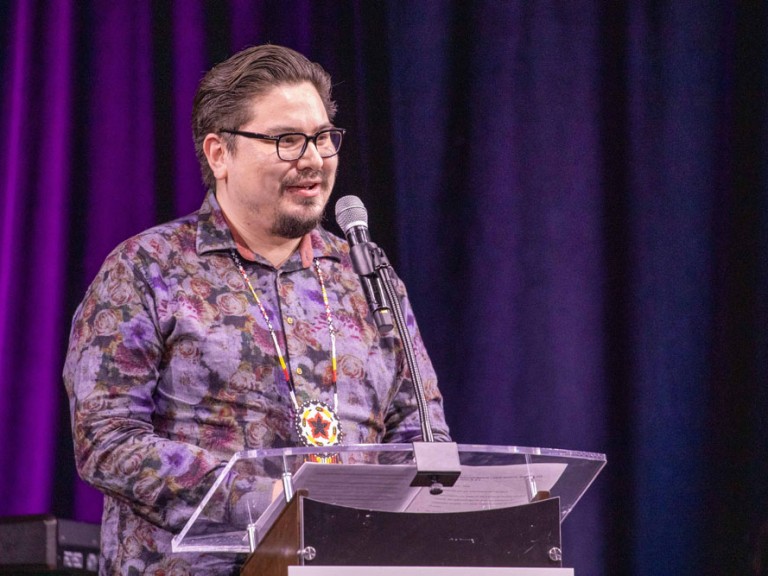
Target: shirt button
[299,371]
[289,319]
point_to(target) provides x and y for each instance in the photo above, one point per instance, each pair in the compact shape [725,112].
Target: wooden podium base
[336,540]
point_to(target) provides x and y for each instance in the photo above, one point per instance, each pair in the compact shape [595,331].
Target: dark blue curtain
[574,192]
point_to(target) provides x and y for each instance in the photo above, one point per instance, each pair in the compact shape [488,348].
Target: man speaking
[225,329]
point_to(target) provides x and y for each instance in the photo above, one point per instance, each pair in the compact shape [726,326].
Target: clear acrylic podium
[290,508]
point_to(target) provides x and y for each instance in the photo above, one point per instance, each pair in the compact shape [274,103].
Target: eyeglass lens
[293,146]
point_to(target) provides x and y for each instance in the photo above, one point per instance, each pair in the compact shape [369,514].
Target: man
[207,335]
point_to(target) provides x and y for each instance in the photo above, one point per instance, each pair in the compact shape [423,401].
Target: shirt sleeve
[403,424]
[111,372]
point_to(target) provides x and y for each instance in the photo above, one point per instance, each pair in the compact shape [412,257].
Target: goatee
[292,227]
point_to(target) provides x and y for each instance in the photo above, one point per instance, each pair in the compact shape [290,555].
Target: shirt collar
[214,235]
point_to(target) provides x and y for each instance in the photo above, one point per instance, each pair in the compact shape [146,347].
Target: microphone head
[350,212]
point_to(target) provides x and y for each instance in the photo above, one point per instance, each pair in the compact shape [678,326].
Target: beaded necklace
[317,424]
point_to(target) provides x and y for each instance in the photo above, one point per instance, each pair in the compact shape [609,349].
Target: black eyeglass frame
[307,139]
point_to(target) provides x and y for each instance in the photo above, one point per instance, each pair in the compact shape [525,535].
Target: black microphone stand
[370,261]
[437,463]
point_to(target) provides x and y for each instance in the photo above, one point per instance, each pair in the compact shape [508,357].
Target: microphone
[352,218]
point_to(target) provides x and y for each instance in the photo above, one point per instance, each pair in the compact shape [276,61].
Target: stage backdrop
[574,192]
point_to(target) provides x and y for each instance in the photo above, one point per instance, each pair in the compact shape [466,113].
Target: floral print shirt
[171,369]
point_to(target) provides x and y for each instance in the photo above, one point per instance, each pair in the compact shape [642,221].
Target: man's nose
[311,157]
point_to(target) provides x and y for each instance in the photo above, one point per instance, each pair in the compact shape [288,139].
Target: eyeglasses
[292,145]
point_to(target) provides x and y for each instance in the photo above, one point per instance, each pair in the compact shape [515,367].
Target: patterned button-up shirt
[171,369]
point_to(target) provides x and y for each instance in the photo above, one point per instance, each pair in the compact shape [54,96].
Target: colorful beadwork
[316,423]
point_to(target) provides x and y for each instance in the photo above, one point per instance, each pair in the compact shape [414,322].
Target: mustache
[308,174]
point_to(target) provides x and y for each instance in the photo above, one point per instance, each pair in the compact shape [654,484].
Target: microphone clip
[368,260]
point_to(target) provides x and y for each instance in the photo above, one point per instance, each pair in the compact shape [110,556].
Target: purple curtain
[574,192]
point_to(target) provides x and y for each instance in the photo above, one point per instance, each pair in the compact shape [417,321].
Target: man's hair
[225,95]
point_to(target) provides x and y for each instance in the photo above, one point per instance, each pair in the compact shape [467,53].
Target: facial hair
[294,226]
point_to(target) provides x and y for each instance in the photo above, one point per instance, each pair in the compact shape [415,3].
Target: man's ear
[216,152]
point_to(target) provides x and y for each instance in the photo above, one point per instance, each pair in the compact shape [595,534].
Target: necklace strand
[279,352]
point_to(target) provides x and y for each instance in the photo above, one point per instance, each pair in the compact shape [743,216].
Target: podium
[379,509]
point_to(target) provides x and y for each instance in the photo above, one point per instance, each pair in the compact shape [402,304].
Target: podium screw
[308,553]
[555,554]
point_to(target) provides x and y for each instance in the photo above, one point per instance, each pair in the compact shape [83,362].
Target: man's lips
[308,184]
[308,188]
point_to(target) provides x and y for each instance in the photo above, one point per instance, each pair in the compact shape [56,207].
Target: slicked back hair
[225,95]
